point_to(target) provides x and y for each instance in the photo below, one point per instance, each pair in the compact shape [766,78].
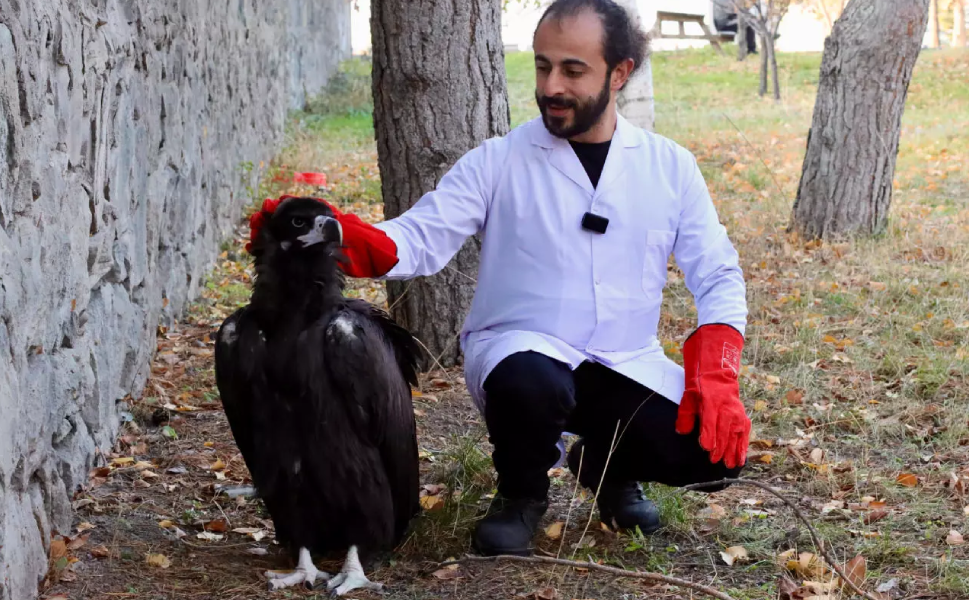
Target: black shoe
[509,527]
[623,506]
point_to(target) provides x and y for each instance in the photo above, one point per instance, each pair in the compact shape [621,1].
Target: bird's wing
[409,354]
[240,377]
[370,361]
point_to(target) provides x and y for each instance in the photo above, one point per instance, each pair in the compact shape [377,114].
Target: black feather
[315,388]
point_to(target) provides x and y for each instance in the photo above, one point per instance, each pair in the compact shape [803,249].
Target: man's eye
[298,223]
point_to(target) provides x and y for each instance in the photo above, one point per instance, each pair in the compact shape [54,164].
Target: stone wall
[123,126]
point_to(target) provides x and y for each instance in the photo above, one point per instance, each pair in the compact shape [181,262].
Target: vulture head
[294,225]
[296,242]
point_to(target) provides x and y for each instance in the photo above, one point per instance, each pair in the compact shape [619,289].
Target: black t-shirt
[593,157]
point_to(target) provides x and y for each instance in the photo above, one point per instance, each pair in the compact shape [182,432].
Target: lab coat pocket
[659,245]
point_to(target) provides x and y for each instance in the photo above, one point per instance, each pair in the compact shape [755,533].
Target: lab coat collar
[563,158]
[626,132]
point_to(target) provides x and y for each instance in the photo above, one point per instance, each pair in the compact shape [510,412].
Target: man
[724,20]
[579,212]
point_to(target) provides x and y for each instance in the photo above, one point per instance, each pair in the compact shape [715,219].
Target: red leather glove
[369,251]
[711,359]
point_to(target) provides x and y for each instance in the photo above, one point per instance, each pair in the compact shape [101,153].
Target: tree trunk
[934,24]
[772,53]
[959,23]
[635,102]
[764,64]
[741,37]
[846,181]
[439,91]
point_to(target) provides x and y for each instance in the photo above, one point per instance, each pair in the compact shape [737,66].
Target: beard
[585,114]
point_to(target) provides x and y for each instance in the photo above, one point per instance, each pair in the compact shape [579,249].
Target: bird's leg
[351,576]
[305,573]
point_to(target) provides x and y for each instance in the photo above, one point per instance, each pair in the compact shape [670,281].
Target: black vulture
[316,389]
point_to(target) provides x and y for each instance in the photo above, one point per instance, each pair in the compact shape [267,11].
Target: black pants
[532,399]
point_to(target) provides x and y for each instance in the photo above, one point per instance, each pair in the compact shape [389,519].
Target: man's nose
[554,84]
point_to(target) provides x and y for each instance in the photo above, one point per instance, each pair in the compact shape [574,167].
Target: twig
[594,566]
[814,534]
[758,152]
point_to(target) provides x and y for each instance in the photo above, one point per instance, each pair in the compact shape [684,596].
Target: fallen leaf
[448,572]
[548,593]
[712,511]
[254,533]
[432,502]
[77,542]
[734,554]
[554,531]
[208,535]
[58,549]
[100,552]
[257,551]
[786,588]
[149,475]
[158,560]
[124,460]
[217,525]
[760,405]
[85,526]
[954,538]
[166,524]
[966,511]
[887,586]
[218,465]
[908,480]
[875,516]
[856,569]
[817,456]
[209,444]
[794,397]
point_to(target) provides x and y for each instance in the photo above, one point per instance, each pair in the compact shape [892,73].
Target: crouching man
[579,212]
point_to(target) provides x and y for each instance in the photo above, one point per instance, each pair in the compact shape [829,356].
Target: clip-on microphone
[595,223]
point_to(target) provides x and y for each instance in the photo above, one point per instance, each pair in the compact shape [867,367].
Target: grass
[856,361]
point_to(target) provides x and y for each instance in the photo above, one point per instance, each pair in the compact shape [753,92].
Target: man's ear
[620,74]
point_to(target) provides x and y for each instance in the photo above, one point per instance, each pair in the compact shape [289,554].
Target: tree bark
[439,90]
[635,102]
[772,53]
[959,23]
[934,24]
[764,64]
[846,180]
[741,37]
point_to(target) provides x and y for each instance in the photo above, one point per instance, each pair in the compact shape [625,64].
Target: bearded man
[579,212]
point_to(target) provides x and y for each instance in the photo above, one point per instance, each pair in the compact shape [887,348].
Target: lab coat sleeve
[430,233]
[706,256]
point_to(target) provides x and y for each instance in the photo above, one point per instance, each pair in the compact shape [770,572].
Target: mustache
[557,102]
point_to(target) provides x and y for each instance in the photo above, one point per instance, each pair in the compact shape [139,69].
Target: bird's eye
[298,223]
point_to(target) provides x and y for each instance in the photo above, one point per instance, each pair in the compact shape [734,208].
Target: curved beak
[325,229]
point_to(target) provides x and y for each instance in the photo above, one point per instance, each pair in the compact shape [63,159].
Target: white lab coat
[547,285]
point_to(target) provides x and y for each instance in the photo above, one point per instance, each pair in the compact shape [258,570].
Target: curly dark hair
[622,38]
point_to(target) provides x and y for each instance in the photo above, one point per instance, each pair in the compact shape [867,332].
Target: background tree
[846,181]
[765,17]
[439,90]
[827,11]
[958,8]
[934,41]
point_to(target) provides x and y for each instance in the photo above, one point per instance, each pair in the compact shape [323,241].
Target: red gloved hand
[711,359]
[368,251]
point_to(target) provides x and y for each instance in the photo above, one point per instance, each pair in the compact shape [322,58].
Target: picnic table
[682,19]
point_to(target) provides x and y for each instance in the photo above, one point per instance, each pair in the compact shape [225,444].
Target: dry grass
[856,374]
